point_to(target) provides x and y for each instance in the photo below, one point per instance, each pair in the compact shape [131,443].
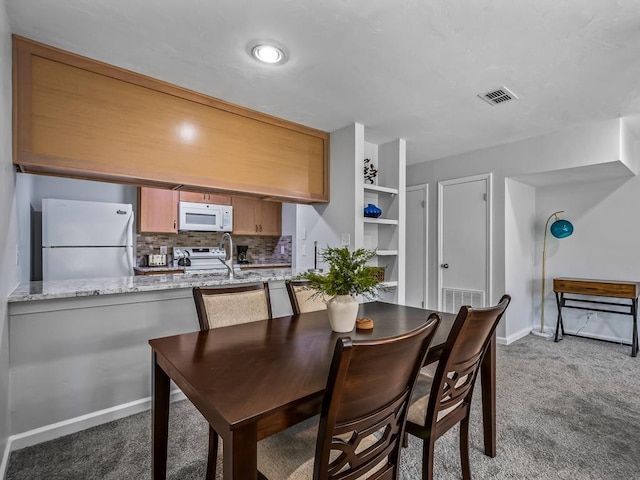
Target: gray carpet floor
[569,410]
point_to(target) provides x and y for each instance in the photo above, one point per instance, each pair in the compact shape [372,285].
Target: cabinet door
[199,197]
[63,101]
[245,211]
[269,218]
[157,210]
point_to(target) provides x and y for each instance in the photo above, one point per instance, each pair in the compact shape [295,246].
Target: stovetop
[200,259]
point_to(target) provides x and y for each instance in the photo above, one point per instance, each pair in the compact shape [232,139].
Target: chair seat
[420,399]
[290,453]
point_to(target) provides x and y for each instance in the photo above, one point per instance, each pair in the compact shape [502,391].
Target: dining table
[255,379]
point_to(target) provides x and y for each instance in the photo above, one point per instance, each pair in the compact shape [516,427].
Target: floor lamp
[559,229]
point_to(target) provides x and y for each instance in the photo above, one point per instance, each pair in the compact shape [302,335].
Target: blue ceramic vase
[372,211]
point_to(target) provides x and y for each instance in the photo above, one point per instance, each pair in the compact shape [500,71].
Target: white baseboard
[73,425]
[5,460]
[513,337]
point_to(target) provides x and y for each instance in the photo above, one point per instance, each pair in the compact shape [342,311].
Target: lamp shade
[561,228]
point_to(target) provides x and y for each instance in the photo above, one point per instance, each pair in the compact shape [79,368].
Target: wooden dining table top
[250,372]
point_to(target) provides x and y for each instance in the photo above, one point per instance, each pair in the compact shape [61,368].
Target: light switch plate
[303,250]
[346,239]
[163,250]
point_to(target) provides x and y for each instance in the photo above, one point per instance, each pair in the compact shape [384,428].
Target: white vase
[343,311]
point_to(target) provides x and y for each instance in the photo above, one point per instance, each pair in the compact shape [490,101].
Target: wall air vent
[498,96]
[454,298]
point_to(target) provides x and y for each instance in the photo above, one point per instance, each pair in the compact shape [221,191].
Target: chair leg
[427,459]
[464,448]
[212,456]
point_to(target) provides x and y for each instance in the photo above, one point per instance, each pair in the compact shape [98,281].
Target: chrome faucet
[228,260]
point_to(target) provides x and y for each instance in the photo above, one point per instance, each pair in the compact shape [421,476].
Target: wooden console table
[598,288]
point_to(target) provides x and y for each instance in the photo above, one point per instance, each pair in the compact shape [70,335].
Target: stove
[201,259]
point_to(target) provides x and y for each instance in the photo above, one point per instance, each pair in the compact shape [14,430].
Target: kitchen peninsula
[55,289]
[79,348]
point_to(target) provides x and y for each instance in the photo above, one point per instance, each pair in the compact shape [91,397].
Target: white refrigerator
[86,239]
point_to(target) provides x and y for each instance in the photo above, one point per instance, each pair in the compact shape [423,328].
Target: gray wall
[8,223]
[599,147]
[604,245]
[77,356]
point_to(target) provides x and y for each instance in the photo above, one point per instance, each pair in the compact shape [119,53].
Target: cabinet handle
[174,224]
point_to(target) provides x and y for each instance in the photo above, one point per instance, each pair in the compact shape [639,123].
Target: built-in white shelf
[386,253]
[380,221]
[389,284]
[379,189]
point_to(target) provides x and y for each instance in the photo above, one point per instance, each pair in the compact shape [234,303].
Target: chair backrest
[221,307]
[368,391]
[452,387]
[303,298]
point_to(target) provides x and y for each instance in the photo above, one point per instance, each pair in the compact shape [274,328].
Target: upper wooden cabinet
[157,210]
[199,197]
[252,216]
[78,117]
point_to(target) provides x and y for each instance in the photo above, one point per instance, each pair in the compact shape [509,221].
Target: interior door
[463,243]
[416,269]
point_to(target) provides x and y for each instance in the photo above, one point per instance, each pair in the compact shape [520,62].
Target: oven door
[204,217]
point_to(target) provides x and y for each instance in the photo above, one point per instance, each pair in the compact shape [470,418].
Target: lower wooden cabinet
[157,210]
[252,216]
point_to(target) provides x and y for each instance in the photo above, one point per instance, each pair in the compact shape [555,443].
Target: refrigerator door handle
[130,243]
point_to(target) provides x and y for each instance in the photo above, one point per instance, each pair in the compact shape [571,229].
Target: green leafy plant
[348,273]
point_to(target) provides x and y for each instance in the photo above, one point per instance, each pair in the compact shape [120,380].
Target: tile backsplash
[261,249]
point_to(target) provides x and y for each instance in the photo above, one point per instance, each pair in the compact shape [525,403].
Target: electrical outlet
[282,249]
[163,250]
[304,234]
[591,315]
[346,239]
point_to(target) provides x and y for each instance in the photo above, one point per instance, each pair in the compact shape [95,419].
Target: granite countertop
[242,266]
[51,289]
[159,269]
[248,266]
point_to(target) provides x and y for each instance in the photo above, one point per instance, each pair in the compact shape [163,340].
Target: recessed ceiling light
[268,53]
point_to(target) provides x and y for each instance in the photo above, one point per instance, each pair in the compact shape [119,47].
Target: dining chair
[361,425]
[226,306]
[303,298]
[444,400]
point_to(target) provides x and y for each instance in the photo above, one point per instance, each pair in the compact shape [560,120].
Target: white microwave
[204,217]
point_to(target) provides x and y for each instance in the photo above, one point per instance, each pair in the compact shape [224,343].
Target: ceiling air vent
[498,96]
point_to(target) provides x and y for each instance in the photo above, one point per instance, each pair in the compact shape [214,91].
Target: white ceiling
[403,68]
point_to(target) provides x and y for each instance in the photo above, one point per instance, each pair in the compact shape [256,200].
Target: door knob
[445,265]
